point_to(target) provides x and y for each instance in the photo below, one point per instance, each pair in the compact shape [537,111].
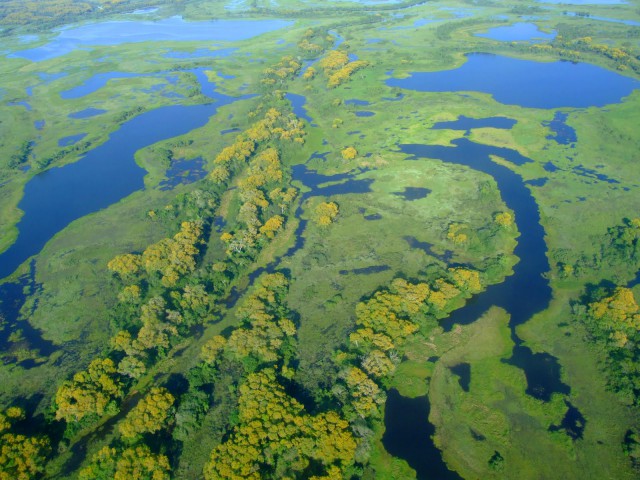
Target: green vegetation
[248,323]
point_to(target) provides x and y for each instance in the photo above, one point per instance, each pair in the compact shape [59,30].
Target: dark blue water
[572,424]
[168,29]
[563,134]
[427,248]
[39,124]
[408,436]
[467,123]
[87,113]
[12,299]
[71,139]
[463,372]
[364,113]
[526,292]
[297,105]
[525,82]
[413,193]
[517,32]
[182,172]
[103,176]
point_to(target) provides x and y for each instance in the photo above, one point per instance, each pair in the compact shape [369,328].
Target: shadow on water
[15,332]
[408,436]
[524,293]
[103,176]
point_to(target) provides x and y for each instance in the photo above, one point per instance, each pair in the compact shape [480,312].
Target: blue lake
[297,104]
[525,82]
[517,32]
[467,123]
[103,176]
[71,140]
[168,29]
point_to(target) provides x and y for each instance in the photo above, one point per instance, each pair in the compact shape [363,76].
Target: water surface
[168,29]
[525,82]
[87,113]
[517,32]
[101,177]
[408,436]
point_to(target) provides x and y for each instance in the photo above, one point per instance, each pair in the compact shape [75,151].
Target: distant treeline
[42,15]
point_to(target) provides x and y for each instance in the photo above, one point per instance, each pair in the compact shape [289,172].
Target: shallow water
[169,29]
[517,32]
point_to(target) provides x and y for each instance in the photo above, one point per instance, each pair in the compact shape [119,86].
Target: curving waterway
[103,176]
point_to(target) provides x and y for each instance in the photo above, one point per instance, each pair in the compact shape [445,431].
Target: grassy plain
[72,306]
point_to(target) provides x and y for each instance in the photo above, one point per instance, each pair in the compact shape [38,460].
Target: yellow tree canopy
[149,415]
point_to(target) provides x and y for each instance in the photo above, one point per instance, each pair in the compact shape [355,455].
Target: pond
[408,436]
[518,32]
[169,29]
[525,82]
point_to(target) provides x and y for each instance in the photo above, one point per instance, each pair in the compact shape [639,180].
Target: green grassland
[73,304]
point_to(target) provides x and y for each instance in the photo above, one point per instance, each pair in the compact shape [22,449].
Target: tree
[21,457]
[349,153]
[89,392]
[149,415]
[504,219]
[272,225]
[125,266]
[276,438]
[137,463]
[325,213]
[211,350]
